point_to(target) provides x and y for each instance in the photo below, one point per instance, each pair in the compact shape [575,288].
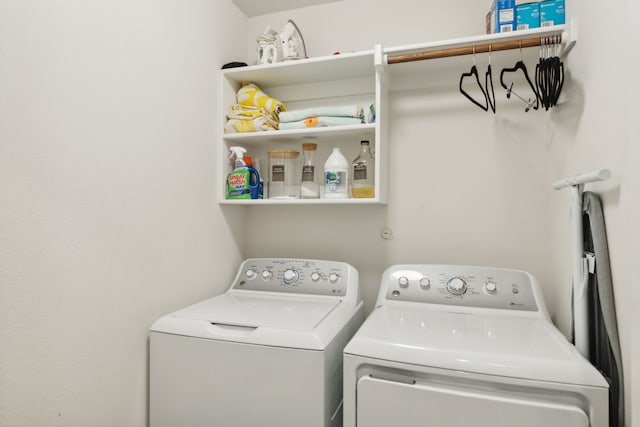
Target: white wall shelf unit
[345,79]
[364,78]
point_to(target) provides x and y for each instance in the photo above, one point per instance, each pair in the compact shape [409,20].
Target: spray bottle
[244,181]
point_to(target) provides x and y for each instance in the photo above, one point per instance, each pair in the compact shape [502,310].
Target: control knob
[490,287]
[456,286]
[315,276]
[250,274]
[290,276]
[403,282]
[333,278]
[267,275]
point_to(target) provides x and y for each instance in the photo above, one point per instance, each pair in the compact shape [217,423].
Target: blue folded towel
[353,111]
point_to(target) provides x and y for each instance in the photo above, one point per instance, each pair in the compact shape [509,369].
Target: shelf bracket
[569,37]
[378,57]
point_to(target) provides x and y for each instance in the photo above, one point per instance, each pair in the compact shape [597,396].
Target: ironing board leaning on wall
[604,344]
[594,328]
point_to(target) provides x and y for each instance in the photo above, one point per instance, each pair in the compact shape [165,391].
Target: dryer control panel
[463,286]
[300,276]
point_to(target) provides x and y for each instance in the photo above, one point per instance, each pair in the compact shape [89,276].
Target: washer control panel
[302,276]
[460,286]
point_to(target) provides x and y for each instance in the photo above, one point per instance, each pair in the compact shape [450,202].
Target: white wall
[468,187]
[633,374]
[108,218]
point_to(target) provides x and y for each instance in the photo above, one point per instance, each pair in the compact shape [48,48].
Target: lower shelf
[271,202]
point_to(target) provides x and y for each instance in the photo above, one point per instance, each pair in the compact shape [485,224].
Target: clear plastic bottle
[363,173]
[309,188]
[336,176]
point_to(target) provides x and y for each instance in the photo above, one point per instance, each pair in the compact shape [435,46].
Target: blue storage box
[551,13]
[527,16]
[503,16]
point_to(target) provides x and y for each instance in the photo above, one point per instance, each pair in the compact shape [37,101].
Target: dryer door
[387,403]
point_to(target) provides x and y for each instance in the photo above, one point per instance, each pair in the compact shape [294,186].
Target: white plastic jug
[336,176]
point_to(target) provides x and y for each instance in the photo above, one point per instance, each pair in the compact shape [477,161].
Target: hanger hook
[490,53]
[541,52]
[474,54]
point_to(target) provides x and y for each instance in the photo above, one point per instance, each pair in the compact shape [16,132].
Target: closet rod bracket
[569,37]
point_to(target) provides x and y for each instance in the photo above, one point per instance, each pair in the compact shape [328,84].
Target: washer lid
[492,343]
[282,311]
[260,318]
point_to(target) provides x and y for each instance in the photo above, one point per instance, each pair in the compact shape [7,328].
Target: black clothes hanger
[474,73]
[520,66]
[549,74]
[488,83]
[558,68]
[542,76]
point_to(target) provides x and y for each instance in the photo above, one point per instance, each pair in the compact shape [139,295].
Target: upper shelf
[567,32]
[320,69]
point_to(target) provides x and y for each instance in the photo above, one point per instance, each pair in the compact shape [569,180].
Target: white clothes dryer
[268,352]
[466,346]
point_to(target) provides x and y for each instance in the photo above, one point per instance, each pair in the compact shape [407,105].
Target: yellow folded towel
[240,112]
[250,95]
[249,125]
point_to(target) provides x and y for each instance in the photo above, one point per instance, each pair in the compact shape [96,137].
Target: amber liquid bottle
[363,173]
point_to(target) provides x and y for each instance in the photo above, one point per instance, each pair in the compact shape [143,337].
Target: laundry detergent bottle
[244,181]
[336,176]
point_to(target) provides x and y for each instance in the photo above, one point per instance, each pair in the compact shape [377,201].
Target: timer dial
[456,286]
[290,276]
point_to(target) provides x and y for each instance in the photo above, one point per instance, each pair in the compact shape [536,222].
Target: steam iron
[292,43]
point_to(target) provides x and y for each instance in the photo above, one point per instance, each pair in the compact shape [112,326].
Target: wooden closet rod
[469,50]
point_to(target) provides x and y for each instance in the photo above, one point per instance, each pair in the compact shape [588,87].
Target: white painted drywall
[109,117]
[633,314]
[253,8]
[633,374]
[470,188]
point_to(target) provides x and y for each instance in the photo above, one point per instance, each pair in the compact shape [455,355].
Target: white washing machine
[454,346]
[268,352]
